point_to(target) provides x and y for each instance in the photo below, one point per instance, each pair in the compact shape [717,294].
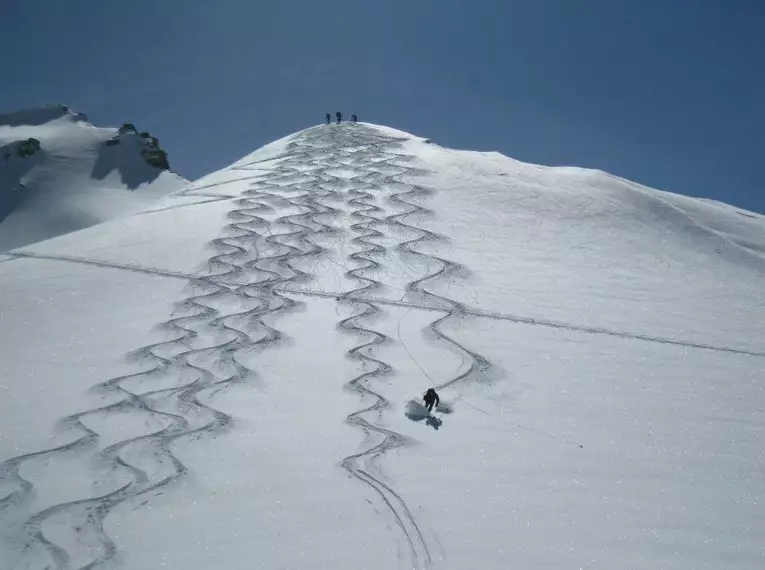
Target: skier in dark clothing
[355,118]
[329,118]
[431,399]
[339,116]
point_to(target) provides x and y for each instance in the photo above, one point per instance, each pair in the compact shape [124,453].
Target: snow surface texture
[597,345]
[76,180]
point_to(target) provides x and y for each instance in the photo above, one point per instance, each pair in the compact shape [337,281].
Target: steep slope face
[569,244]
[597,346]
[59,173]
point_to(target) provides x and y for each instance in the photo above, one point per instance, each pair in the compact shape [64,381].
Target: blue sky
[670,93]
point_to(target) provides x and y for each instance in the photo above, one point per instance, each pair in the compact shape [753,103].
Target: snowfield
[232,377]
[76,180]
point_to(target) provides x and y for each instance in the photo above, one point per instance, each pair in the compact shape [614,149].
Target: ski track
[371,163]
[240,271]
[109,264]
[253,265]
[253,271]
[535,321]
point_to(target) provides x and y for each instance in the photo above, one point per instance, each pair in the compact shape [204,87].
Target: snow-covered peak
[597,347]
[76,174]
[36,116]
[572,199]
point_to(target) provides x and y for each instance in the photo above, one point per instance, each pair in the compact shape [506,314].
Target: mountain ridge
[73,174]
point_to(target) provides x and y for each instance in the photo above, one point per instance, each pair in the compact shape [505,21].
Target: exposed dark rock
[28,147]
[127,128]
[150,150]
[156,157]
[22,149]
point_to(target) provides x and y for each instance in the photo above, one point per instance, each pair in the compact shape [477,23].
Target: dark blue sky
[670,93]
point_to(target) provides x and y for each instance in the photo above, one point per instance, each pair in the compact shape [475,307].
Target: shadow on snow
[416,412]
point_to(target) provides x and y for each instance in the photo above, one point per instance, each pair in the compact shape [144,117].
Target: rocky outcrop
[15,163]
[127,128]
[21,149]
[28,147]
[153,154]
[60,173]
[149,147]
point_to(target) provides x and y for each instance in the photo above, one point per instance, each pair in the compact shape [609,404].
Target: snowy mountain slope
[81,175]
[572,245]
[597,345]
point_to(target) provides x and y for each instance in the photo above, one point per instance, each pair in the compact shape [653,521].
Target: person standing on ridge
[355,118]
[329,118]
[431,399]
[339,116]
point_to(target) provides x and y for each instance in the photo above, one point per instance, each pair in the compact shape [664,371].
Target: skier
[339,116]
[431,399]
[329,118]
[355,118]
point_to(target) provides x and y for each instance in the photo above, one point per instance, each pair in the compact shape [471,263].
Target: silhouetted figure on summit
[431,399]
[355,118]
[329,118]
[339,116]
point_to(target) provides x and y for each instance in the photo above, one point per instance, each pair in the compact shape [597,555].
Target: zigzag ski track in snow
[268,406]
[349,167]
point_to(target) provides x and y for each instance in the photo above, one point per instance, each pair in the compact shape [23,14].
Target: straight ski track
[534,321]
